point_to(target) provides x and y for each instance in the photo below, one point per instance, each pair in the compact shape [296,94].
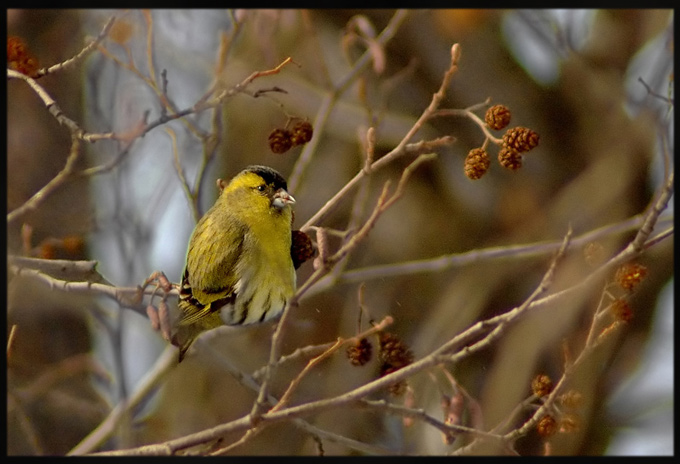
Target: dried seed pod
[19,58]
[594,254]
[476,163]
[541,385]
[73,244]
[510,158]
[393,351]
[572,399]
[629,275]
[394,355]
[547,426]
[301,248]
[570,423]
[360,353]
[497,117]
[280,141]
[621,310]
[520,138]
[399,388]
[301,133]
[47,250]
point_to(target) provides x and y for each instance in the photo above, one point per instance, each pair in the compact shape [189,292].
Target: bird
[239,269]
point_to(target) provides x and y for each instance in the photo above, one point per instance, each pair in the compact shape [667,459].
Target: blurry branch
[455,260]
[358,210]
[500,322]
[383,204]
[630,252]
[149,79]
[61,269]
[10,339]
[192,197]
[421,415]
[66,173]
[653,215]
[147,385]
[72,366]
[654,94]
[206,102]
[327,104]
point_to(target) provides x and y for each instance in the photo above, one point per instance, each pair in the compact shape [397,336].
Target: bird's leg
[159,316]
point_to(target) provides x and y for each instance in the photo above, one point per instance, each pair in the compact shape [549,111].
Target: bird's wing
[194,310]
[208,281]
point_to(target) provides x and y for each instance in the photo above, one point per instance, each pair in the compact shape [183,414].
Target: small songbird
[239,268]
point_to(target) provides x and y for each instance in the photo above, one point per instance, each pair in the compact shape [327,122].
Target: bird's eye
[260,188]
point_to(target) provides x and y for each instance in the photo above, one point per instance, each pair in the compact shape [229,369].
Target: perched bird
[239,268]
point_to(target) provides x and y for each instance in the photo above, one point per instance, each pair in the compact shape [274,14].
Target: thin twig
[39,197]
[325,355]
[456,260]
[395,153]
[89,48]
[328,102]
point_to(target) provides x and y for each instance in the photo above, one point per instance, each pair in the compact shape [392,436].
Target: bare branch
[89,48]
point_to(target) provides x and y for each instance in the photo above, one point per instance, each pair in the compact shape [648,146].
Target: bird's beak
[282,198]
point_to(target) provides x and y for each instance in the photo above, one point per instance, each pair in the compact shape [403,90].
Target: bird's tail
[183,338]
[185,334]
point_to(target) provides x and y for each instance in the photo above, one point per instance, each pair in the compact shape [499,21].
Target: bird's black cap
[270,176]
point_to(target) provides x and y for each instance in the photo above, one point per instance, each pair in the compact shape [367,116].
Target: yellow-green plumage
[239,269]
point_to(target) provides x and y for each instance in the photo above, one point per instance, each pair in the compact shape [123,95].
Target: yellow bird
[239,268]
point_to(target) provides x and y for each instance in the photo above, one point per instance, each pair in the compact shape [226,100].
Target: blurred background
[573,76]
